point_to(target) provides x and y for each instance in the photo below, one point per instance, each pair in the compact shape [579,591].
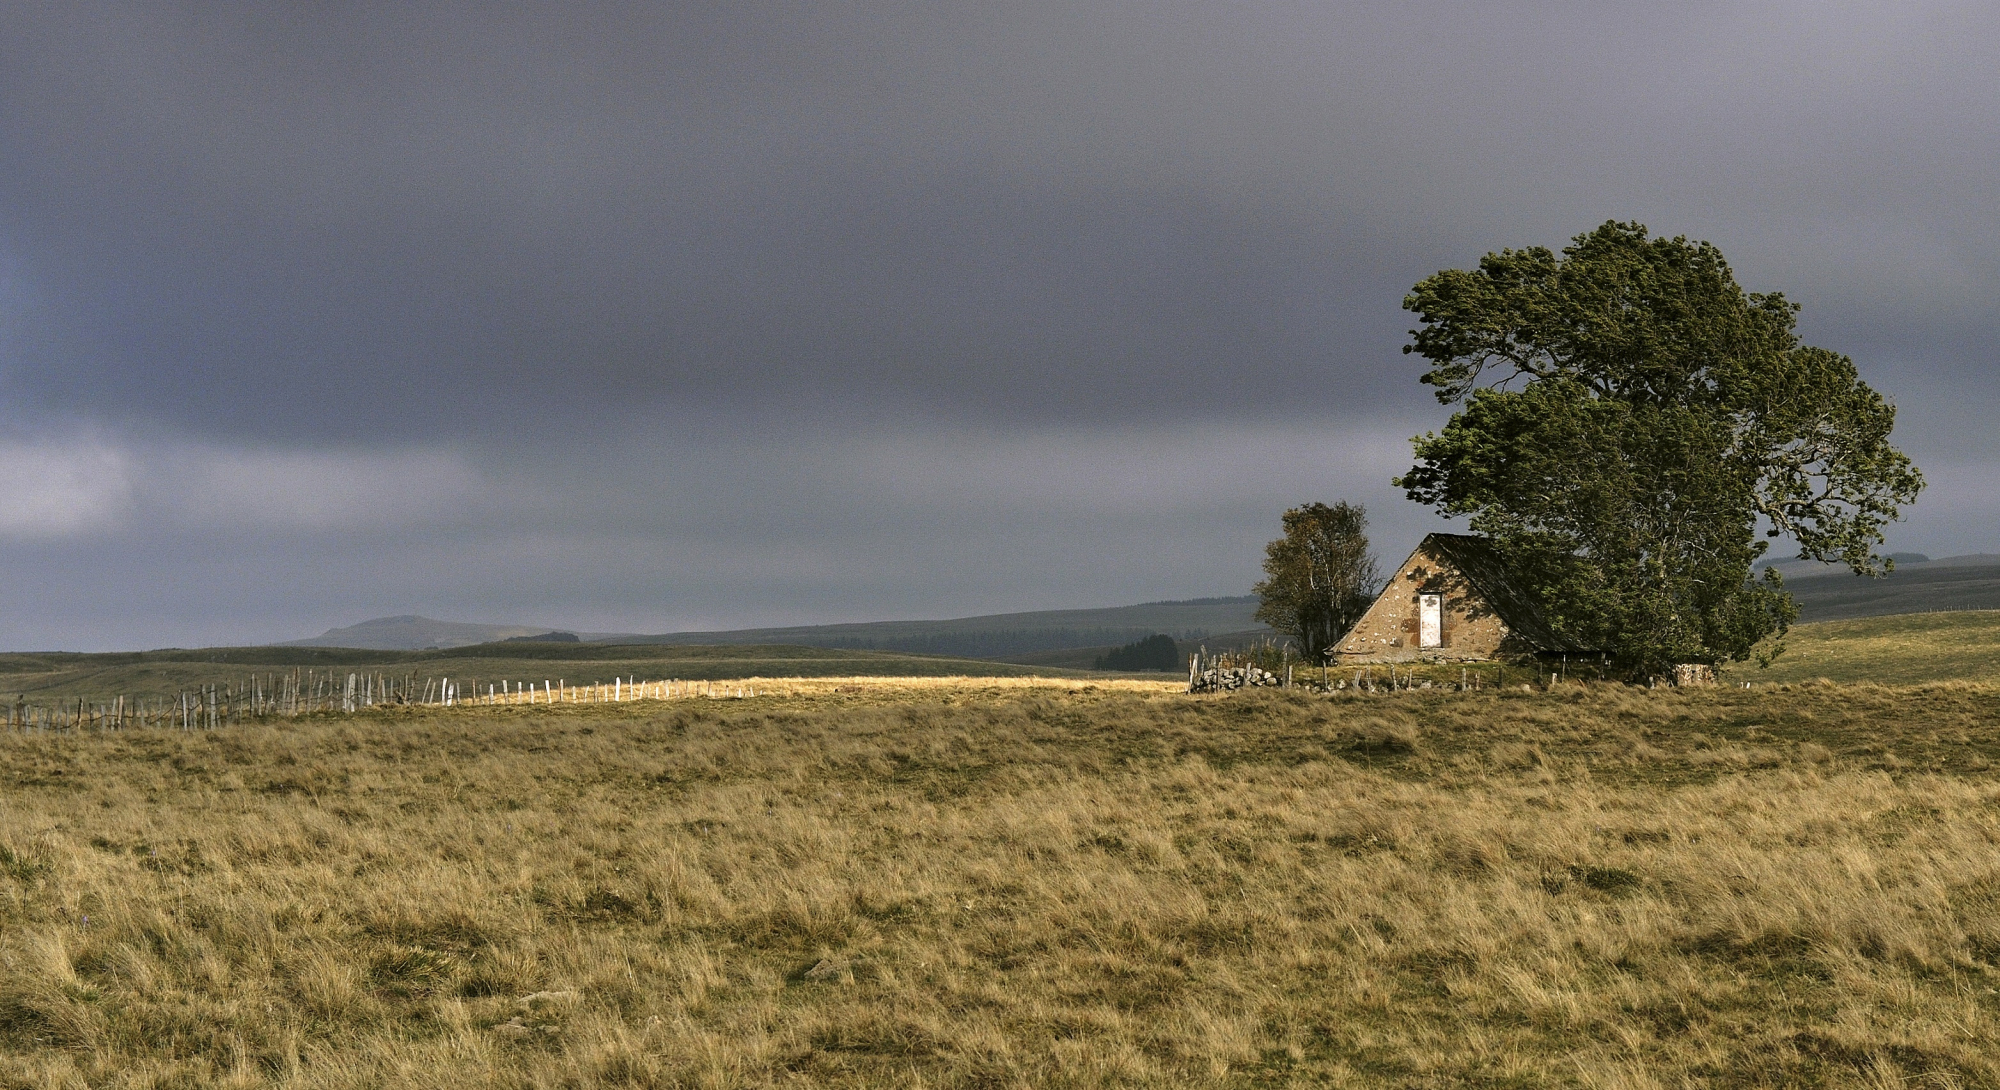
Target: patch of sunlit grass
[1904,649]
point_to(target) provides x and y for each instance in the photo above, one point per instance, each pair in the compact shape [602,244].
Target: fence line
[302,692]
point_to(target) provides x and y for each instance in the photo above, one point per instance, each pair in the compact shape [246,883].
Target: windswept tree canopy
[1631,420]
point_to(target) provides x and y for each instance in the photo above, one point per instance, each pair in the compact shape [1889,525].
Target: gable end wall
[1388,631]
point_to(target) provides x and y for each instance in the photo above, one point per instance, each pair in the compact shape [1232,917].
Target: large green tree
[1320,577]
[1632,420]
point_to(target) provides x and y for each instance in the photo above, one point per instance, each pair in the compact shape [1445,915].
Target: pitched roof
[1490,576]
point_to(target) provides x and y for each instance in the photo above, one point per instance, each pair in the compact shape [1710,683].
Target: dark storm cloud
[648,273]
[925,205]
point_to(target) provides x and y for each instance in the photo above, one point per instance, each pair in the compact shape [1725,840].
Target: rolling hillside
[1958,582]
[1003,635]
[999,635]
[413,633]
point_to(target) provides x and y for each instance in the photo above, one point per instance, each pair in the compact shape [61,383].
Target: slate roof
[1481,565]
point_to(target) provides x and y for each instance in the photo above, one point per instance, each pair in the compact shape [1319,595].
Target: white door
[1430,620]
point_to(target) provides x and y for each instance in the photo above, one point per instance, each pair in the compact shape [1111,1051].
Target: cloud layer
[781,313]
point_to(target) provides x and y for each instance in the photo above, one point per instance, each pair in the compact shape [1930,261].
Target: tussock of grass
[990,885]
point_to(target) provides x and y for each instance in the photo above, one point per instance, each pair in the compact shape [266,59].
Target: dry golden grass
[959,685]
[995,885]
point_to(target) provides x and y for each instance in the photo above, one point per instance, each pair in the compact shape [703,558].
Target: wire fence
[296,693]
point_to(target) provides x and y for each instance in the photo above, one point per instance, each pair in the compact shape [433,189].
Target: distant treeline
[1152,653]
[993,643]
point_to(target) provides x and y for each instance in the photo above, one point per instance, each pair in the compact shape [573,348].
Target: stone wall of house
[1388,633]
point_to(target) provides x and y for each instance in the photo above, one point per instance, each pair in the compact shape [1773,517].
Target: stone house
[1451,601]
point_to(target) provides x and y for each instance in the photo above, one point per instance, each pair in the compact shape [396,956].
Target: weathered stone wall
[1693,673]
[1227,678]
[1388,632]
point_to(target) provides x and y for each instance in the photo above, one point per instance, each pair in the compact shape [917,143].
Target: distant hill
[413,633]
[1952,583]
[1002,635]
[1792,567]
[994,636]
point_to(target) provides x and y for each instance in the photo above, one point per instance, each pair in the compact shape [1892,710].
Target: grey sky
[643,317]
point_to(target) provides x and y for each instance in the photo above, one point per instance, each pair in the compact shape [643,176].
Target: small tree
[1321,576]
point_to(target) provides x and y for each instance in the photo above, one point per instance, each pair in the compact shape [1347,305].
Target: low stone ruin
[1692,674]
[1230,678]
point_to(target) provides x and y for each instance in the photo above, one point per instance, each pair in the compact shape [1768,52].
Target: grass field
[973,884]
[1902,649]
